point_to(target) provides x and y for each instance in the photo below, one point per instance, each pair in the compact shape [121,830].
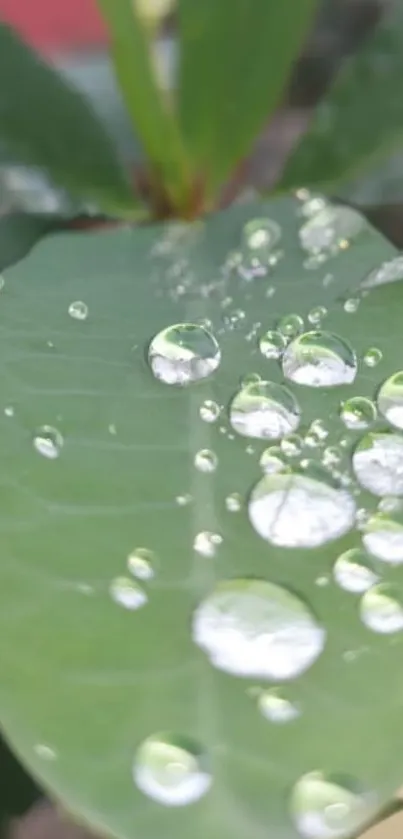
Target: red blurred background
[56,25]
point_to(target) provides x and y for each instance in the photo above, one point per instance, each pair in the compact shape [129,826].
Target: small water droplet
[9,411]
[332,229]
[390,399]
[351,305]
[316,315]
[183,353]
[171,769]
[260,236]
[264,410]
[252,628]
[319,359]
[353,572]
[275,706]
[233,502]
[271,461]
[290,325]
[383,537]
[127,593]
[48,441]
[183,500]
[330,806]
[388,272]
[78,310]
[378,463]
[390,504]
[372,357]
[272,344]
[45,752]
[332,456]
[140,563]
[381,609]
[206,460]
[209,411]
[357,413]
[312,205]
[206,543]
[292,445]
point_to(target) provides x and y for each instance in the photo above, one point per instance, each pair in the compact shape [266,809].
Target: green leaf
[46,123]
[236,56]
[148,106]
[360,121]
[84,679]
[19,232]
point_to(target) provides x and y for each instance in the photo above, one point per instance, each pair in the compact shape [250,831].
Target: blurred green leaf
[360,121]
[149,106]
[236,56]
[85,680]
[46,123]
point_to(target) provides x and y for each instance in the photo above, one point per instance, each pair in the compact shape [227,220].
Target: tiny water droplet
[127,593]
[390,400]
[140,563]
[45,752]
[330,806]
[316,315]
[383,537]
[253,628]
[271,461]
[78,310]
[372,357]
[388,272]
[357,413]
[206,543]
[48,441]
[332,229]
[353,572]
[378,463]
[206,460]
[351,305]
[183,353]
[312,205]
[171,769]
[183,500]
[292,445]
[319,359]
[264,410]
[275,706]
[233,502]
[260,236]
[272,344]
[290,325]
[381,609]
[9,411]
[209,411]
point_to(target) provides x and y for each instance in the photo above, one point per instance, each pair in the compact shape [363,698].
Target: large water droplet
[127,593]
[209,411]
[320,359]
[381,609]
[331,229]
[252,628]
[272,344]
[184,353]
[206,460]
[171,769]
[78,310]
[357,413]
[265,410]
[140,563]
[353,572]
[388,272]
[390,399]
[383,538]
[329,806]
[300,511]
[48,441]
[276,707]
[378,463]
[260,236]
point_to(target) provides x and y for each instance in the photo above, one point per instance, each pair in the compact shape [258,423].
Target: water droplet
[260,236]
[9,411]
[171,769]
[78,310]
[206,460]
[290,325]
[183,353]
[272,344]
[352,571]
[381,609]
[250,379]
[319,429]
[265,410]
[383,538]
[320,359]
[276,707]
[316,315]
[372,357]
[127,593]
[48,442]
[209,411]
[388,272]
[331,229]
[252,628]
[271,462]
[140,563]
[206,543]
[378,463]
[357,413]
[183,500]
[390,399]
[390,504]
[233,502]
[291,446]
[300,511]
[332,456]
[312,205]
[45,752]
[351,305]
[329,806]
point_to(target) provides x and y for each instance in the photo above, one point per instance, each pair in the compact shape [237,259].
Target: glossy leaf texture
[46,123]
[86,679]
[360,121]
[235,58]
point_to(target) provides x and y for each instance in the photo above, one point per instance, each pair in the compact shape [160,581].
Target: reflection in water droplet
[329,806]
[290,325]
[351,305]
[276,707]
[352,571]
[272,344]
[206,460]
[127,593]
[271,461]
[388,272]
[390,399]
[299,511]
[316,315]
[331,229]
[378,463]
[383,538]
[260,236]
[357,413]
[372,357]
[140,563]
[332,456]
[252,628]
[183,353]
[209,411]
[206,543]
[48,441]
[171,769]
[250,379]
[265,410]
[233,502]
[381,609]
[78,310]
[292,445]
[320,359]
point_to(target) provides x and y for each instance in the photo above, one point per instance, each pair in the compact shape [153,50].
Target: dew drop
[329,806]
[171,769]
[378,463]
[140,563]
[390,400]
[312,205]
[271,461]
[250,379]
[78,310]
[290,325]
[48,441]
[381,609]
[233,502]
[209,411]
[292,445]
[352,571]
[260,236]
[9,411]
[206,543]
[320,359]
[264,410]
[206,460]
[45,752]
[351,305]
[383,538]
[331,229]
[332,456]
[316,315]
[372,357]
[357,413]
[252,628]
[183,353]
[272,344]
[183,500]
[388,272]
[127,593]
[300,511]
[275,706]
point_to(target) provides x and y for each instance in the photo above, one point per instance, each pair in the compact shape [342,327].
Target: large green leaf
[360,121]
[235,59]
[85,680]
[48,124]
